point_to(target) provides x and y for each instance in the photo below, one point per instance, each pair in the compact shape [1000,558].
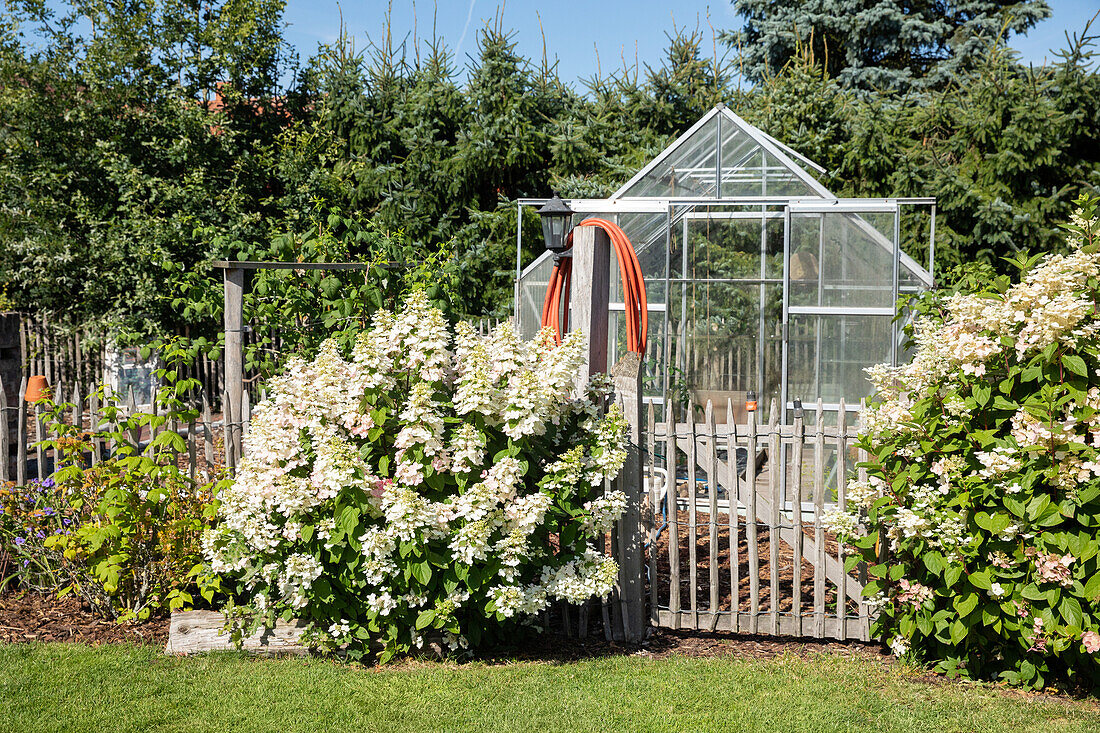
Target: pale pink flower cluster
[1091,640]
[1053,569]
[913,593]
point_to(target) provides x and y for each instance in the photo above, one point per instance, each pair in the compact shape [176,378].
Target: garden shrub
[123,534]
[417,494]
[982,495]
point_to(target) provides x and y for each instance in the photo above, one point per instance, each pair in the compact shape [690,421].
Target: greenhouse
[758,278]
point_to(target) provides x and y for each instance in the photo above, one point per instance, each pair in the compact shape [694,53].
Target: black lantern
[798,412]
[556,216]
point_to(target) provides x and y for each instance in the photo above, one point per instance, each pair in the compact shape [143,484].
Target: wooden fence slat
[752,525]
[819,531]
[207,431]
[93,422]
[672,494]
[841,491]
[796,512]
[864,612]
[78,413]
[21,434]
[713,572]
[5,436]
[192,450]
[655,508]
[774,476]
[734,516]
[229,434]
[693,524]
[131,411]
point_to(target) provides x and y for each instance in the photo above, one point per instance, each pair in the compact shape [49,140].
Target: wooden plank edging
[195,632]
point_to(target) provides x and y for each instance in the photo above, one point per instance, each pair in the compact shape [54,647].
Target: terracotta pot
[36,388]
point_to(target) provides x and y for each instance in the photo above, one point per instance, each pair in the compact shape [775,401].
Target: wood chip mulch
[41,617]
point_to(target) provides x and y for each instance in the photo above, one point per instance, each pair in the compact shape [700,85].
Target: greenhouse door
[840,286]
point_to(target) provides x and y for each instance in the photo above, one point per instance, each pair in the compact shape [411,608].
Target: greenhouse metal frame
[759,279]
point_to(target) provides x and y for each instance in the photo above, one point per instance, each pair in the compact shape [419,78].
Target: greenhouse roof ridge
[722,156]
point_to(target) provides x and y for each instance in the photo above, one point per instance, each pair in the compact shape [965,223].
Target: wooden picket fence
[744,547]
[206,452]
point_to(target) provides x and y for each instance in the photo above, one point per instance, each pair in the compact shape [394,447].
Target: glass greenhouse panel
[688,171]
[909,282]
[649,235]
[842,260]
[726,342]
[532,293]
[727,243]
[827,355]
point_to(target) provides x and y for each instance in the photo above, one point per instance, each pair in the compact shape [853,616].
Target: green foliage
[983,496]
[122,532]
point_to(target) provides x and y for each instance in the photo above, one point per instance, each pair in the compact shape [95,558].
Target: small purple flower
[19,541]
[65,521]
[40,534]
[48,484]
[26,563]
[49,511]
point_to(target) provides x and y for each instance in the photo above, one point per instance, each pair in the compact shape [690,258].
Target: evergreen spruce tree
[878,44]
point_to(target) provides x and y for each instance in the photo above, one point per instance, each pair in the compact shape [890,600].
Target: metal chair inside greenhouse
[759,279]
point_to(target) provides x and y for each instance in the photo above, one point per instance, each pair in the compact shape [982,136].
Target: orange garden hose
[555,308]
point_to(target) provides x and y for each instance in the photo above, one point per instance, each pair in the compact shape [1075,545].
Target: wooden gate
[737,540]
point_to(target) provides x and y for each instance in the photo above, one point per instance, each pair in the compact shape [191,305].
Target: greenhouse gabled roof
[722,157]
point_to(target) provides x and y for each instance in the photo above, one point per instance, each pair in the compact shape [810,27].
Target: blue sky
[581,34]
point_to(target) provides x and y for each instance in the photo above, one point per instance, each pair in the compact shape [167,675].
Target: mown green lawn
[69,687]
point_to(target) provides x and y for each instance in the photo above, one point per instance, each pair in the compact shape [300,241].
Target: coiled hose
[555,308]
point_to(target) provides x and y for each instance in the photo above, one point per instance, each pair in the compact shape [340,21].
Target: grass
[70,687]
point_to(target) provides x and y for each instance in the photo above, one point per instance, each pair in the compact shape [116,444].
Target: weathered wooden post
[234,356]
[589,301]
[591,293]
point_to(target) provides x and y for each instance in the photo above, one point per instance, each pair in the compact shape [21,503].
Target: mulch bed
[785,570]
[41,617]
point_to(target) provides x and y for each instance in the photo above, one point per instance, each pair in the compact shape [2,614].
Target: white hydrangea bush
[436,486]
[983,494]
